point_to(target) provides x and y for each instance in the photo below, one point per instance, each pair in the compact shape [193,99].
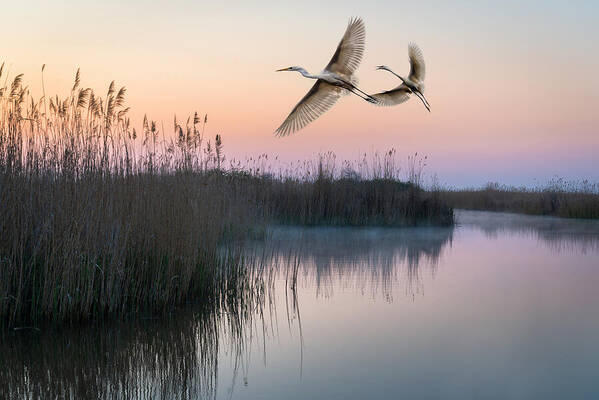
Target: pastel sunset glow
[513,87]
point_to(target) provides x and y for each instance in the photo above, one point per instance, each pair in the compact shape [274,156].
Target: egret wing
[316,102]
[393,97]
[417,68]
[350,50]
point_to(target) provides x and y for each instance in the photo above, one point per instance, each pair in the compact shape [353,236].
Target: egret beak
[283,69]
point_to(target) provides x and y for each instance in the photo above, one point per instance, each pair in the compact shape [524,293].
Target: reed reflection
[140,360]
[372,260]
[176,357]
[558,234]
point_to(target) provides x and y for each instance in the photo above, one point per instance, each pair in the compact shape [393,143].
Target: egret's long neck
[306,73]
[402,79]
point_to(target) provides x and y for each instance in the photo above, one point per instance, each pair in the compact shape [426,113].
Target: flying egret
[336,79]
[413,84]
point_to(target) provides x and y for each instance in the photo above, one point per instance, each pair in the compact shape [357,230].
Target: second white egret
[414,83]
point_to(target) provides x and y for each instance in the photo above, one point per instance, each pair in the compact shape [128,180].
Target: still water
[502,306]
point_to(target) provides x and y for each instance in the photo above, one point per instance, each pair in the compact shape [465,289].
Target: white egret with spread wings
[336,79]
[414,83]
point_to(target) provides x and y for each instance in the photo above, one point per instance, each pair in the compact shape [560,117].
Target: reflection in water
[367,259]
[206,353]
[140,360]
[175,357]
[559,234]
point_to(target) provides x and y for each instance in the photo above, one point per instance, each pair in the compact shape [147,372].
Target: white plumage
[413,84]
[336,78]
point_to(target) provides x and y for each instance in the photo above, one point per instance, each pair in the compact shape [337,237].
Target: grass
[559,198]
[98,219]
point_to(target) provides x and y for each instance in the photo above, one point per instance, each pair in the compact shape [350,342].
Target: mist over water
[502,306]
[560,234]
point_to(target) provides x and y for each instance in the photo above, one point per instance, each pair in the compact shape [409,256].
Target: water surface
[502,306]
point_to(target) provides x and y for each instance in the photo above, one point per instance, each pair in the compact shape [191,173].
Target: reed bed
[368,192]
[560,198]
[98,218]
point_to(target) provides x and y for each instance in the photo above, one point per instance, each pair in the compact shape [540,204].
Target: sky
[512,85]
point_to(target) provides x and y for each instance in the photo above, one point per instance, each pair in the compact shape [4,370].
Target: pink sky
[513,88]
